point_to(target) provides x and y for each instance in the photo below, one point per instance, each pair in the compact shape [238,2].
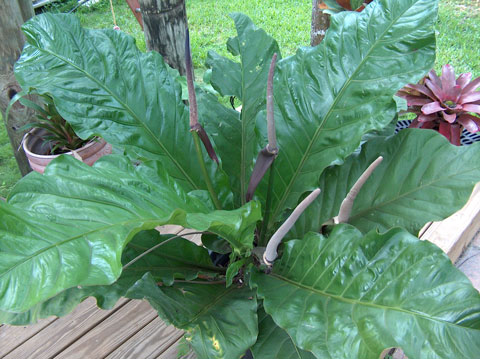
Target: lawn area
[9,173]
[288,21]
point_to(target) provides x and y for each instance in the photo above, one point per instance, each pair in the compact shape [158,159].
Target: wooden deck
[133,330]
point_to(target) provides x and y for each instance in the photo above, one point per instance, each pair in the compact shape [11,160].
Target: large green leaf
[219,322]
[223,126]
[60,305]
[103,85]
[274,343]
[246,80]
[70,226]
[328,96]
[351,296]
[421,178]
[178,258]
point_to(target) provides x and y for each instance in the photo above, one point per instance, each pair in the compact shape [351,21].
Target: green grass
[458,36]
[9,173]
[288,21]
[209,23]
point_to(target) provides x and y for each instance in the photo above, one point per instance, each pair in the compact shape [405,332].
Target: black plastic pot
[466,138]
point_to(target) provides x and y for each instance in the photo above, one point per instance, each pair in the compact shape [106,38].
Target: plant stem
[272,137]
[192,98]
[203,167]
[268,205]
[195,282]
[195,127]
[156,246]
[266,156]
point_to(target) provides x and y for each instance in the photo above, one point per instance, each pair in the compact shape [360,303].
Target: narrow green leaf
[78,219]
[232,271]
[246,80]
[328,96]
[351,296]
[219,322]
[422,178]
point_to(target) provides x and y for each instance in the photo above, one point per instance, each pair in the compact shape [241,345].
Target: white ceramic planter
[89,153]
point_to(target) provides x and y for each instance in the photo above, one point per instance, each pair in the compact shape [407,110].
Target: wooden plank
[12,15]
[455,233]
[12,336]
[424,229]
[149,342]
[172,353]
[169,229]
[64,331]
[178,230]
[135,7]
[111,333]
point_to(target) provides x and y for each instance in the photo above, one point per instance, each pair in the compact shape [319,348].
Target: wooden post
[135,7]
[320,22]
[14,13]
[165,23]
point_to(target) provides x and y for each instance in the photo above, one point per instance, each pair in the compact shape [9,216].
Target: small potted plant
[445,104]
[50,136]
[334,6]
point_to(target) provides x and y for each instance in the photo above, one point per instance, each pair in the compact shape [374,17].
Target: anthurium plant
[314,265]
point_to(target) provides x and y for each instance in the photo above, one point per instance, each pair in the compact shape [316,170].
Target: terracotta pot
[34,144]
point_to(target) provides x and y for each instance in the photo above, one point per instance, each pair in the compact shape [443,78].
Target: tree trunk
[165,23]
[14,13]
[320,22]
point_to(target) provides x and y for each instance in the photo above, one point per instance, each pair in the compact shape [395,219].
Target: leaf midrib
[331,109]
[154,222]
[129,110]
[207,307]
[354,302]
[405,194]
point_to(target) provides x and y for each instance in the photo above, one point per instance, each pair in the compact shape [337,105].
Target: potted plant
[445,104]
[335,6]
[50,136]
[334,276]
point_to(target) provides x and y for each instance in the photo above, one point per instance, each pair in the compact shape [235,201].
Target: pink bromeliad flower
[444,103]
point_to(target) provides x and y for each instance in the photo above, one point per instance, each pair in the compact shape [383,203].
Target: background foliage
[458,24]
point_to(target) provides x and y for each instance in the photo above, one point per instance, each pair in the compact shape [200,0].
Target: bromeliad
[444,103]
